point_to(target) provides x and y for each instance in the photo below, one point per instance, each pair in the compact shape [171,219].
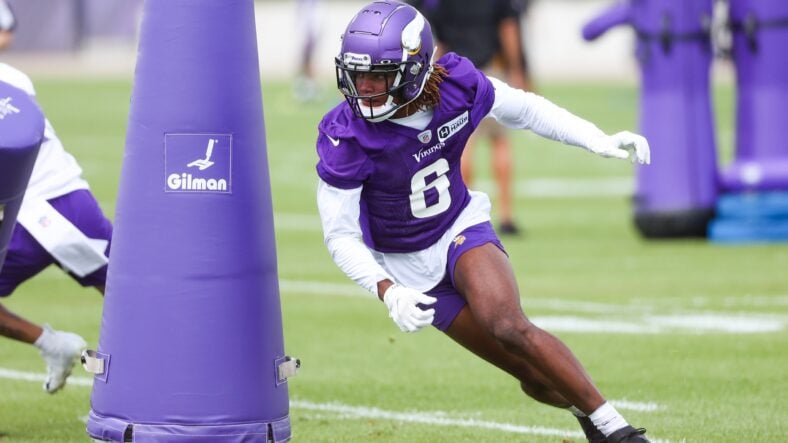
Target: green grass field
[686,337]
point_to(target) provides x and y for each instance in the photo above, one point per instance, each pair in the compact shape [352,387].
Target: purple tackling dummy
[754,207]
[21,134]
[760,36]
[191,346]
[676,194]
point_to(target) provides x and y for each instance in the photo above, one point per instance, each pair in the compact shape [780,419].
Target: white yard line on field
[664,324]
[36,377]
[433,418]
[443,417]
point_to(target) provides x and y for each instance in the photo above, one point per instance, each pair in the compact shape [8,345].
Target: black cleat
[593,434]
[508,228]
[628,434]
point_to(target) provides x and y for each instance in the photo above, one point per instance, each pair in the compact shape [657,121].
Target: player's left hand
[402,303]
[622,145]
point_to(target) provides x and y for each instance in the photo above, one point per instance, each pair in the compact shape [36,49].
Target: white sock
[607,419]
[576,412]
[44,341]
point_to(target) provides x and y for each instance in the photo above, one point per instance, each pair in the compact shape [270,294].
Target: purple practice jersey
[412,185]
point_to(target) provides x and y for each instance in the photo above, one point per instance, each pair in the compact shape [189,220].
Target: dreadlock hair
[430,96]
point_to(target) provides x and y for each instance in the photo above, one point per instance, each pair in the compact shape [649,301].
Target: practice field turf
[688,339]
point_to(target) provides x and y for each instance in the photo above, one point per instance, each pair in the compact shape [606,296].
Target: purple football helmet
[390,40]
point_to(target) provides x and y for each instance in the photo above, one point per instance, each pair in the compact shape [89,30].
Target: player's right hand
[622,145]
[402,305]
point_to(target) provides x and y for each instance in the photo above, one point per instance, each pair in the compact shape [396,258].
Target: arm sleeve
[339,212]
[517,109]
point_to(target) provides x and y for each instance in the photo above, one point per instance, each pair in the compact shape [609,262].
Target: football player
[398,219]
[59,222]
[305,86]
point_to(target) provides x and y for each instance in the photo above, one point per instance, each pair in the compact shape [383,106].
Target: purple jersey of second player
[412,185]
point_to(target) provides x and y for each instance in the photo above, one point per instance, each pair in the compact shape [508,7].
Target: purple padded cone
[191,336]
[21,133]
[760,30]
[676,193]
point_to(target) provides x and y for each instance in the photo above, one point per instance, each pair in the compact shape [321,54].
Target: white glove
[622,145]
[402,301]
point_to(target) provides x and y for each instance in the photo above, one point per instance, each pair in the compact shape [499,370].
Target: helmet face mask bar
[379,105]
[389,41]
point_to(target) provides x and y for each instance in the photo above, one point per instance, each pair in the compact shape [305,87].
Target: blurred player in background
[489,34]
[59,222]
[306,87]
[399,220]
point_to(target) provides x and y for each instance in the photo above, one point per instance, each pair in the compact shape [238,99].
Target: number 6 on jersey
[420,189]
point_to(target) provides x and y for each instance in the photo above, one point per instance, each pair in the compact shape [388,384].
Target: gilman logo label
[453,126]
[198,163]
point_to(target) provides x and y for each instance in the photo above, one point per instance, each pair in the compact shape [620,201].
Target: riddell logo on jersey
[198,163]
[453,126]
